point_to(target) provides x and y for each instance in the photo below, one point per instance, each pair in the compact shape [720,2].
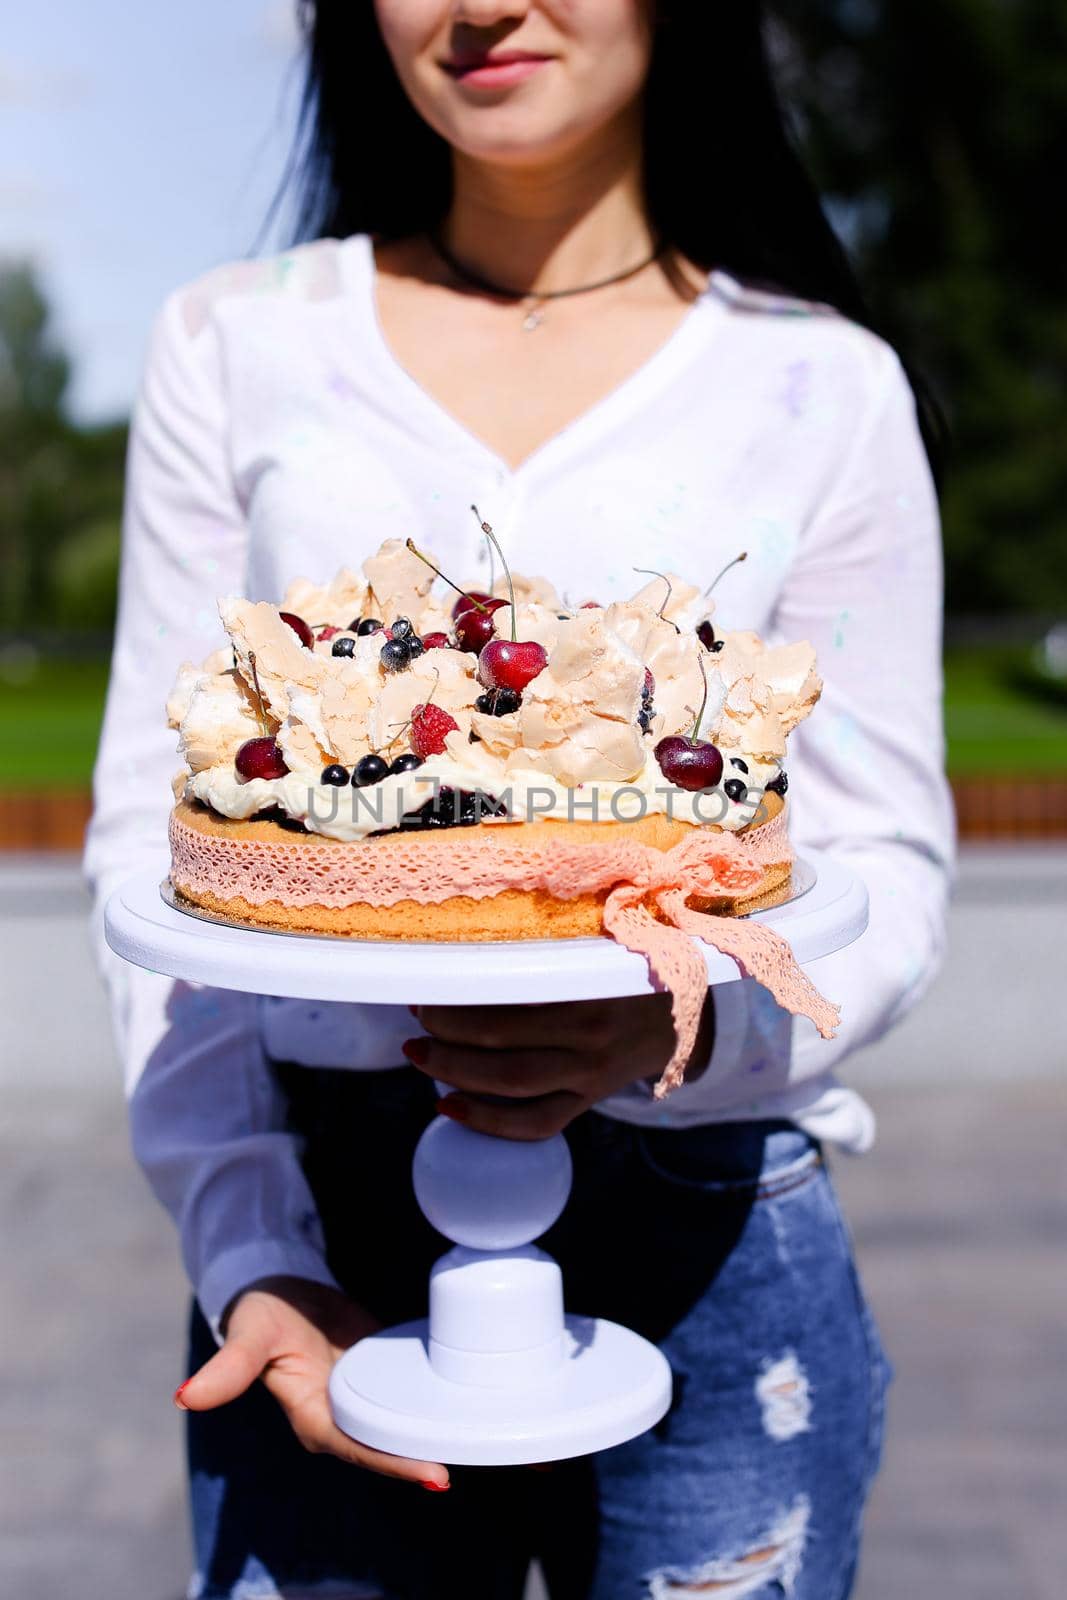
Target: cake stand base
[611,1385]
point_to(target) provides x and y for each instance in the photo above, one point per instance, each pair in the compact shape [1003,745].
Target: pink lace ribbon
[646,908]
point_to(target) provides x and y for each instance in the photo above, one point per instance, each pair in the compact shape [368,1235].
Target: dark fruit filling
[454,808]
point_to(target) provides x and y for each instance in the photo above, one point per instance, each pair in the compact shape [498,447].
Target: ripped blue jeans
[724,1244]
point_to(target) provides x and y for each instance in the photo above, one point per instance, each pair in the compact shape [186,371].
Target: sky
[140,145]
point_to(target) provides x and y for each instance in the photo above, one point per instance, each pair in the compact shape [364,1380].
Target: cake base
[213,855]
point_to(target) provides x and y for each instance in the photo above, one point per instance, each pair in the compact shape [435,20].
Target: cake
[375,759]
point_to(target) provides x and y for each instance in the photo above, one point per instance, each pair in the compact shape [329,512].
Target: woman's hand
[550,1061]
[289,1332]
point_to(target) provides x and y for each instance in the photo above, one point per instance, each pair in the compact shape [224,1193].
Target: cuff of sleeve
[235,1269]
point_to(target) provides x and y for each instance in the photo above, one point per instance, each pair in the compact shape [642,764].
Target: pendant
[533,319]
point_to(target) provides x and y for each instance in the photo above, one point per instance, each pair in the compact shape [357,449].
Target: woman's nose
[487,13]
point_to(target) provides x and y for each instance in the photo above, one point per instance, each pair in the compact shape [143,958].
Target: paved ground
[959,1216]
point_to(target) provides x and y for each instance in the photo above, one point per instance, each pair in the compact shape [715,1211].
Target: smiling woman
[562,262]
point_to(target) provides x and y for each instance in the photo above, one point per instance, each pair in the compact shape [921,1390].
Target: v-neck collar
[637,389]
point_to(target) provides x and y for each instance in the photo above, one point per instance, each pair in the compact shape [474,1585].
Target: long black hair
[724,181]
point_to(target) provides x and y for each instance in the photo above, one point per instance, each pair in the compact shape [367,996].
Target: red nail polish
[438,1488]
[417,1051]
[178,1401]
[454,1107]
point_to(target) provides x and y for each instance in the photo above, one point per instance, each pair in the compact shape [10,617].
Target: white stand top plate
[143,929]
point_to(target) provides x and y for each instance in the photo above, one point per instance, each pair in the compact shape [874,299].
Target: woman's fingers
[539,1118]
[231,1371]
[313,1424]
[522,1073]
[561,1025]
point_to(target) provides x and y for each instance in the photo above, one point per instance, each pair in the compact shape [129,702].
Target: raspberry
[429,724]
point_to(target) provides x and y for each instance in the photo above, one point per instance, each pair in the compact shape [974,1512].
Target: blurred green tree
[60,485]
[937,130]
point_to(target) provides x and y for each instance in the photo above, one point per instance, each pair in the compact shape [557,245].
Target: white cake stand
[498,1374]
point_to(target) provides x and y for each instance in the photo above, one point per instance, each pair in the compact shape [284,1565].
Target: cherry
[435,641]
[260,758]
[511,664]
[689,763]
[429,725]
[474,629]
[466,601]
[706,634]
[299,627]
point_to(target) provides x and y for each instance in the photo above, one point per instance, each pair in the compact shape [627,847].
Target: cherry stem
[494,544]
[742,557]
[650,572]
[694,736]
[413,547]
[264,730]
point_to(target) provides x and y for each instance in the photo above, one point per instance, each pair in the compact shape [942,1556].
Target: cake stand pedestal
[498,1374]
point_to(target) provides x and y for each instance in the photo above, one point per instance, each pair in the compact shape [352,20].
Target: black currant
[644,718]
[735,788]
[779,783]
[343,647]
[371,769]
[368,625]
[415,646]
[400,628]
[498,702]
[742,766]
[334,774]
[395,655]
[406,763]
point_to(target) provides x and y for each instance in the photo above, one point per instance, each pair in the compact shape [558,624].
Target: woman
[545,230]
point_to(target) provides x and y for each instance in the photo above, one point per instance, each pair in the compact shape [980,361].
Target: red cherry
[260,758]
[689,763]
[429,724]
[649,688]
[463,603]
[590,605]
[510,664]
[475,628]
[299,627]
[435,641]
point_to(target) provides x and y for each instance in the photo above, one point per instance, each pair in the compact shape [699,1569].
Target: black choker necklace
[535,315]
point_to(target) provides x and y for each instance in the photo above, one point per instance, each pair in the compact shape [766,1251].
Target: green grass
[49,722]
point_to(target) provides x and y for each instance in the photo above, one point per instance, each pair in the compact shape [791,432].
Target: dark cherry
[511,664]
[735,788]
[368,770]
[474,629]
[498,702]
[706,634]
[779,784]
[406,763]
[689,763]
[299,627]
[395,655]
[343,647]
[260,758]
[464,601]
[368,625]
[335,774]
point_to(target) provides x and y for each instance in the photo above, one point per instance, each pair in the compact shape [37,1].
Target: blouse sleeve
[208,1122]
[866,770]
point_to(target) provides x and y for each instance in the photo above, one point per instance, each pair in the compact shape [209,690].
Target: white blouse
[277,435]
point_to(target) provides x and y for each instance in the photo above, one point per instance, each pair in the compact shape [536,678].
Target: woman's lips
[497,74]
